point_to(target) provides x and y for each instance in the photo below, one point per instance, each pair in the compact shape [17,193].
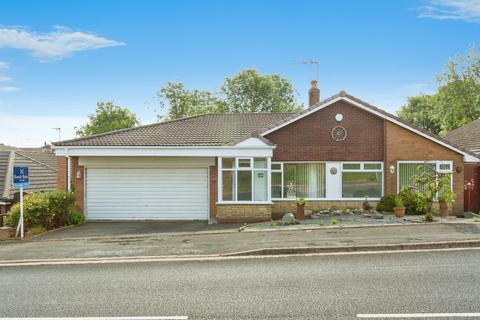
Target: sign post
[21,180]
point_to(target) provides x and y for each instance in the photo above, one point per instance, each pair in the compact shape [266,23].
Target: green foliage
[301,201]
[75,218]
[420,110]
[107,117]
[414,205]
[247,91]
[457,100]
[398,202]
[48,209]
[334,221]
[182,102]
[387,203]
[36,230]
[428,217]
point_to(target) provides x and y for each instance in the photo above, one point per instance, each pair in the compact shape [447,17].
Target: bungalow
[250,166]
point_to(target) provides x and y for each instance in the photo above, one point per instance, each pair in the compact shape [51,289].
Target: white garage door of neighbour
[132,194]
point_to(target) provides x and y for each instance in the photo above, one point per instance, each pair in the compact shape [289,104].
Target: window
[409,169]
[362,179]
[298,180]
[244,179]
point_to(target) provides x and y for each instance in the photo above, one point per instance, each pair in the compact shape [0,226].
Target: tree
[247,91]
[420,110]
[181,102]
[107,117]
[457,100]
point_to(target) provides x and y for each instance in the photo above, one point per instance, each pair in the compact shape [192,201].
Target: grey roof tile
[467,136]
[204,130]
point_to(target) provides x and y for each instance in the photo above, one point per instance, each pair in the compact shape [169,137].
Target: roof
[218,129]
[213,129]
[468,136]
[42,169]
[380,112]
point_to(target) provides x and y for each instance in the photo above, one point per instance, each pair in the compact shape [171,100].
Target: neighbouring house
[252,166]
[42,166]
[468,137]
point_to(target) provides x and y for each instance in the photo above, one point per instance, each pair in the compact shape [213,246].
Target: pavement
[66,244]
[298,287]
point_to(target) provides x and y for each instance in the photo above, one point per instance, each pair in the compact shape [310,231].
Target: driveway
[110,228]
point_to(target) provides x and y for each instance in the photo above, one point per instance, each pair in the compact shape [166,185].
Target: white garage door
[127,194]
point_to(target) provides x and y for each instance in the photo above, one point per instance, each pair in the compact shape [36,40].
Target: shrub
[75,218]
[398,202]
[334,221]
[387,203]
[47,209]
[414,205]
[36,230]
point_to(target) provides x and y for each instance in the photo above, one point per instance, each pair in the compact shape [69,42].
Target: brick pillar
[62,173]
[78,183]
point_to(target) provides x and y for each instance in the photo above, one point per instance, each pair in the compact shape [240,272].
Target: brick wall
[244,212]
[77,182]
[402,144]
[309,139]
[281,207]
[62,173]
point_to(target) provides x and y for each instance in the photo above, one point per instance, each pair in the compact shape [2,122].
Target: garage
[146,194]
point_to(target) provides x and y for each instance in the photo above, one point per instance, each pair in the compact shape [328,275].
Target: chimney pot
[313,94]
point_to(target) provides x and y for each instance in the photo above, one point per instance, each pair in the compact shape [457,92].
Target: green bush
[75,218]
[48,209]
[398,202]
[414,205]
[387,203]
[36,230]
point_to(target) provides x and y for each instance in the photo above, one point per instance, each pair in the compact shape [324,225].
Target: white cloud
[5,78]
[467,10]
[3,65]
[8,89]
[33,131]
[58,44]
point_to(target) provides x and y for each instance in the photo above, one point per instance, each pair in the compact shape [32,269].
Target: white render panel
[333,181]
[146,194]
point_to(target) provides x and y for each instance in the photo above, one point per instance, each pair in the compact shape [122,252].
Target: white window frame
[437,167]
[236,169]
[362,169]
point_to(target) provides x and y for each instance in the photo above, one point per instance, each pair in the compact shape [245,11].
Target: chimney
[313,94]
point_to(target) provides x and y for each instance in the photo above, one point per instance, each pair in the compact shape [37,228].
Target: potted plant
[399,208]
[300,209]
[367,207]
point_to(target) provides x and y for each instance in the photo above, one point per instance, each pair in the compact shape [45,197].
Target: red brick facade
[309,139]
[77,175]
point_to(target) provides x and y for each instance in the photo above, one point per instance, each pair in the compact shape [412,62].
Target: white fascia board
[225,151]
[466,157]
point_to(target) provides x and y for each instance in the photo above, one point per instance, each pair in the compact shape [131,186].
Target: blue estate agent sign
[20,177]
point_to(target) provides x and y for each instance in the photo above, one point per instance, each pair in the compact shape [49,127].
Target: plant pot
[300,212]
[443,208]
[399,211]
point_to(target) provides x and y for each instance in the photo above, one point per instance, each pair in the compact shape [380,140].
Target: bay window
[361,180]
[244,179]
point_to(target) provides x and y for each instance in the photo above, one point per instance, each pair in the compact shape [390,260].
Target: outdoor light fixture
[392,169]
[79,174]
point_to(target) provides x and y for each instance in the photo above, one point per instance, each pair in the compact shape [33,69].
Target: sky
[58,58]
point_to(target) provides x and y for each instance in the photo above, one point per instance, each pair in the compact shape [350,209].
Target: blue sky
[58,58]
